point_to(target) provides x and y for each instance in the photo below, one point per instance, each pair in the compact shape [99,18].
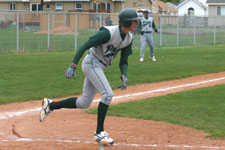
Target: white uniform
[147,36]
[95,63]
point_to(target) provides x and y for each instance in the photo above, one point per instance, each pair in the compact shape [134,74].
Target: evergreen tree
[174,1]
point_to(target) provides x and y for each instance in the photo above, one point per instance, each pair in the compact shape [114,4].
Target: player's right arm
[99,38]
[154,26]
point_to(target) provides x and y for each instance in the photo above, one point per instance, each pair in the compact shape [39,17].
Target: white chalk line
[116,144]
[165,89]
[8,115]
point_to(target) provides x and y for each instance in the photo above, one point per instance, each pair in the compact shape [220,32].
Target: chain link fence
[22,31]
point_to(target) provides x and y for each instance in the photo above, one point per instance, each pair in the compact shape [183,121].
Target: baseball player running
[147,26]
[104,46]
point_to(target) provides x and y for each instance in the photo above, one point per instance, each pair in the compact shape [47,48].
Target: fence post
[53,21]
[160,22]
[194,32]
[64,19]
[94,21]
[23,22]
[214,42]
[178,21]
[100,20]
[17,32]
[75,46]
[48,31]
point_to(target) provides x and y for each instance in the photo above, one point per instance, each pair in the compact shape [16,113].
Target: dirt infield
[69,129]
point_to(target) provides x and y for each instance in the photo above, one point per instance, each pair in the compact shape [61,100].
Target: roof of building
[15,0]
[173,3]
[159,5]
[182,2]
[215,1]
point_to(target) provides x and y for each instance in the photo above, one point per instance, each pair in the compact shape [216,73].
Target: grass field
[34,75]
[202,109]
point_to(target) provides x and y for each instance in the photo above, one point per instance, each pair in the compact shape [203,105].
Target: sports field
[189,115]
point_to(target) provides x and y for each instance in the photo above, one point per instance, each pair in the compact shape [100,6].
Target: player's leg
[88,94]
[96,76]
[89,91]
[48,106]
[142,51]
[151,46]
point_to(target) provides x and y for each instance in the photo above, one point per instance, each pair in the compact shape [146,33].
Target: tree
[173,1]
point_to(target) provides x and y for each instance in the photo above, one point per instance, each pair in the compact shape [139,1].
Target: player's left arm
[125,52]
[154,26]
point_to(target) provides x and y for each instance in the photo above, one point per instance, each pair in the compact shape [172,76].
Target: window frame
[56,7]
[77,8]
[48,4]
[191,11]
[220,10]
[108,6]
[12,6]
[101,6]
[38,7]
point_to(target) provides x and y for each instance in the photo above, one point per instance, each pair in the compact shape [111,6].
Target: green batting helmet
[126,17]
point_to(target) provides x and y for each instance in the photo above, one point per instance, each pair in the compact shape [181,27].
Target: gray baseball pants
[95,81]
[147,37]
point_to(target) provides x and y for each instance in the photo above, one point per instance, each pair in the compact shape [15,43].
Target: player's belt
[102,62]
[148,32]
[98,60]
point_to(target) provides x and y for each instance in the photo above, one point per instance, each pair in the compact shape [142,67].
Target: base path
[71,129]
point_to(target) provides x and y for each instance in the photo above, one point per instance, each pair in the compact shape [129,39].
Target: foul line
[116,144]
[8,115]
[165,89]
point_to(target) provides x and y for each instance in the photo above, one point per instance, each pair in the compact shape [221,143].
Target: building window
[135,4]
[36,7]
[221,11]
[12,6]
[78,6]
[33,7]
[108,6]
[102,6]
[191,11]
[48,6]
[59,6]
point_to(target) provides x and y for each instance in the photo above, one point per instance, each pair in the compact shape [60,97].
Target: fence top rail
[56,12]
[99,13]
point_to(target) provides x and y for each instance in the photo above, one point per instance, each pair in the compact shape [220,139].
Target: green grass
[202,109]
[32,76]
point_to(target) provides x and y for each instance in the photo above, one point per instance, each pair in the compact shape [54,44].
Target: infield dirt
[69,129]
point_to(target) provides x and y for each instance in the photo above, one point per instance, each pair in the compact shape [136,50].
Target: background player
[147,25]
[104,46]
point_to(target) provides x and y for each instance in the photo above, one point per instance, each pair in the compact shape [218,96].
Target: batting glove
[124,79]
[70,72]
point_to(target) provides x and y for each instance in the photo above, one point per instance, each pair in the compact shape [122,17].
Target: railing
[22,31]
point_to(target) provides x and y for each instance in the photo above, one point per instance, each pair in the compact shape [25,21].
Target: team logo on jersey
[146,23]
[110,52]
